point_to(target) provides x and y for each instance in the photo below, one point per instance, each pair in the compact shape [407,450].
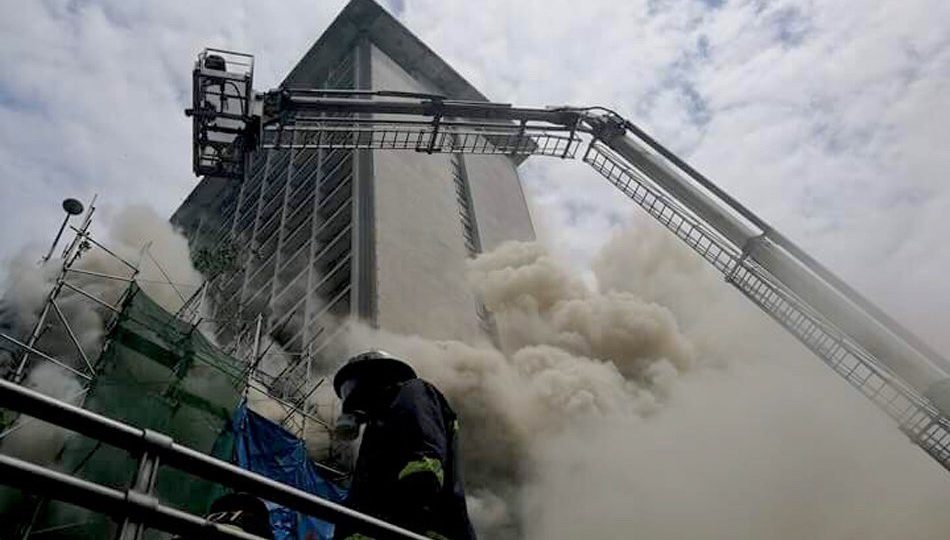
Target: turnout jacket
[407,471]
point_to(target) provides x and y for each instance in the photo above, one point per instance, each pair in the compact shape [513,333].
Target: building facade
[313,237]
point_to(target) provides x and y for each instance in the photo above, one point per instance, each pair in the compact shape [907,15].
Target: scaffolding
[157,373]
[53,325]
[153,368]
[279,289]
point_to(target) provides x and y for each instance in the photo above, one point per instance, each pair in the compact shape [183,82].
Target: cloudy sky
[824,117]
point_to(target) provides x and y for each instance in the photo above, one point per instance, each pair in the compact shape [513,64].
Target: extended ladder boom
[876,355]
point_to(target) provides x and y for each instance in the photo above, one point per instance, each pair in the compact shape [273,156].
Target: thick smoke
[138,226]
[569,356]
[32,439]
[131,232]
[655,403]
[660,405]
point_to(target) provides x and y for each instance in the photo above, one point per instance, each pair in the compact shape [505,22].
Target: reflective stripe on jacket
[407,471]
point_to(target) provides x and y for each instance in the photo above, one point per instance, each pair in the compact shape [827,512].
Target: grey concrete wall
[498,200]
[420,254]
[203,207]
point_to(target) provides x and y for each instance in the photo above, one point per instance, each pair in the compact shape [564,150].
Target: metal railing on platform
[426,137]
[136,508]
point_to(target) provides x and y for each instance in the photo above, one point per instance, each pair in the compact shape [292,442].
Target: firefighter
[239,512]
[407,471]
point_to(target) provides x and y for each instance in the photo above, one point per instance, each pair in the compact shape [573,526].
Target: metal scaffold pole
[72,253]
[136,507]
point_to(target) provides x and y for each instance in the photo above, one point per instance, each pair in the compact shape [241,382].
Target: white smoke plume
[660,405]
[655,404]
[131,232]
[32,439]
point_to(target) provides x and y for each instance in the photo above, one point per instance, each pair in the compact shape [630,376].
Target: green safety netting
[160,373]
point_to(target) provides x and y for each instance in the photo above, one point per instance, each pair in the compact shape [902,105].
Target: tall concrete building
[309,237]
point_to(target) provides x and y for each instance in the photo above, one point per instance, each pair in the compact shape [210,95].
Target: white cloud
[92,96]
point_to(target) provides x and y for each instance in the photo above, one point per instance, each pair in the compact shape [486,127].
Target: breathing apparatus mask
[355,411]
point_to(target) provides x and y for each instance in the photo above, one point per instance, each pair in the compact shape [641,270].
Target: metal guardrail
[137,508]
[457,138]
[140,509]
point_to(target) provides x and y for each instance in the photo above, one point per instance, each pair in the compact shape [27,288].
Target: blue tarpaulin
[267,448]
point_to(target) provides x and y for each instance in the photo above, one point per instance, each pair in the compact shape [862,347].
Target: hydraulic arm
[871,351]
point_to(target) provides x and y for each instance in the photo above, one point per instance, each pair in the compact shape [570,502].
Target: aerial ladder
[876,355]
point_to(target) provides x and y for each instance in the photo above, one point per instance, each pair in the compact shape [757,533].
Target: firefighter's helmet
[374,365]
